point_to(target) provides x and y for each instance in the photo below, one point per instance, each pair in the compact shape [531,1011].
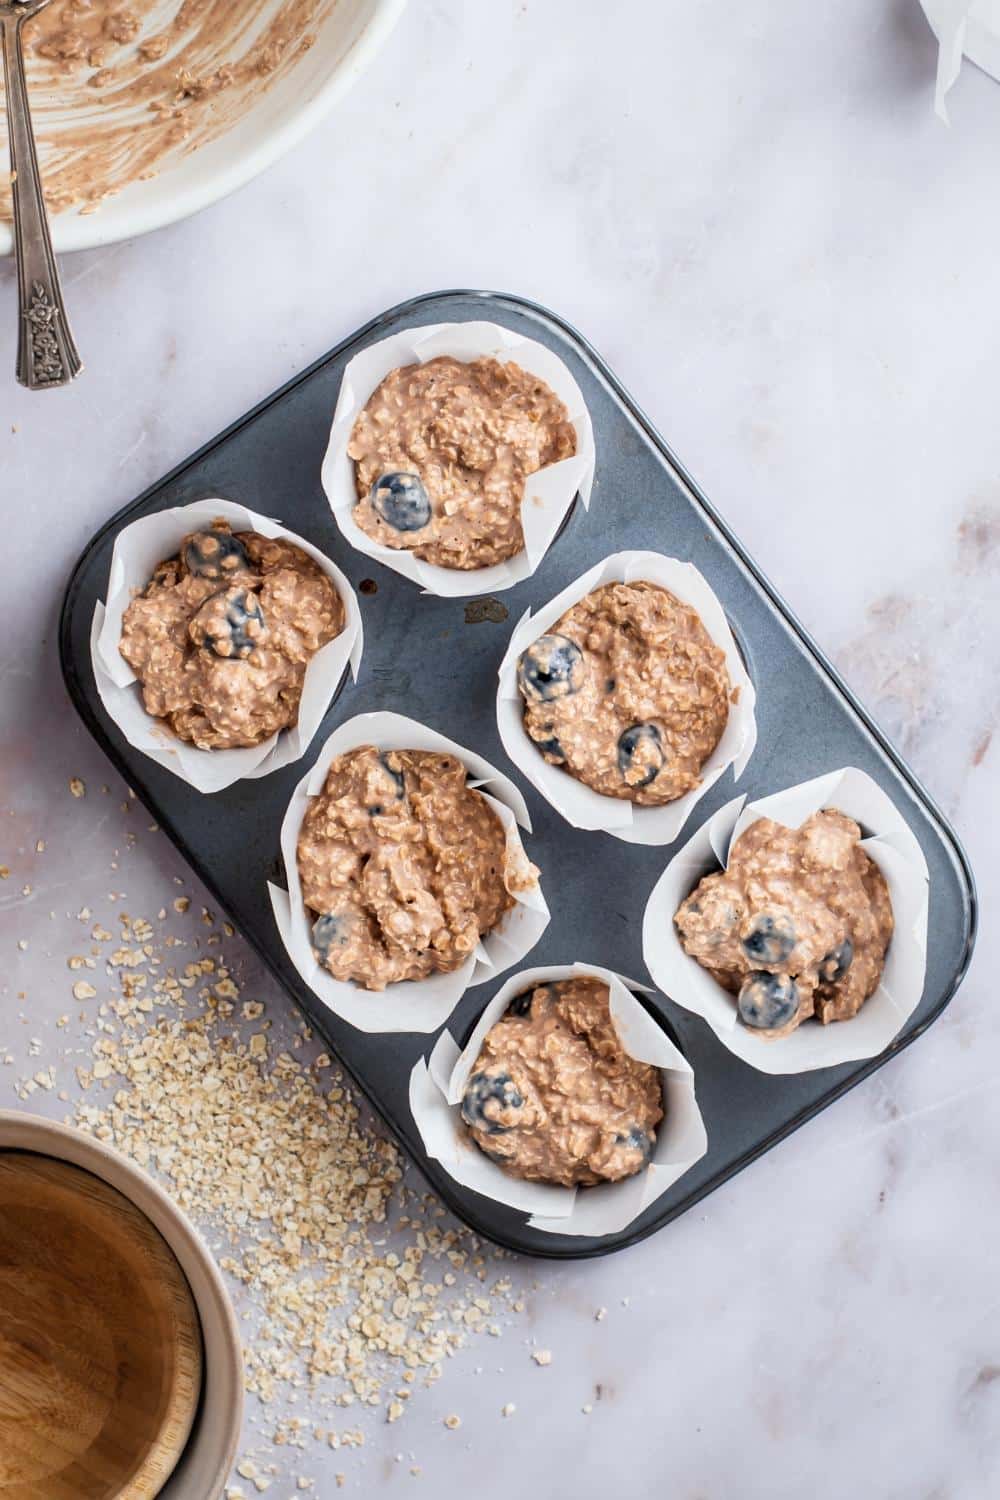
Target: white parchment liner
[548,494]
[136,553]
[969,27]
[413,1004]
[580,804]
[895,850]
[438,1083]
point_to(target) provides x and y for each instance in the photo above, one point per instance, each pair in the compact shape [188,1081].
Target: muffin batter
[553,1096]
[628,693]
[221,636]
[403,867]
[442,451]
[119,89]
[797,926]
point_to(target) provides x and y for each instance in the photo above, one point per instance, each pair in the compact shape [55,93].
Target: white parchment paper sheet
[580,804]
[548,494]
[437,1086]
[969,27]
[138,549]
[895,850]
[413,1004]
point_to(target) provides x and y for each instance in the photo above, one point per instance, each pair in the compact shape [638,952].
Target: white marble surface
[754,214]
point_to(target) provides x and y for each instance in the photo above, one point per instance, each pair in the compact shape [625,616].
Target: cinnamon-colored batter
[118,90]
[462,438]
[221,636]
[554,1097]
[403,867]
[796,926]
[628,693]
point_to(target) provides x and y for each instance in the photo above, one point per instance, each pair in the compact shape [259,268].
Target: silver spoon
[46,353]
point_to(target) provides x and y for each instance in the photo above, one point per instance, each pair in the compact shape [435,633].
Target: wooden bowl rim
[220,1413]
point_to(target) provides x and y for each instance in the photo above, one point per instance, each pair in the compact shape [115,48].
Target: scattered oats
[235,1492]
[453,1421]
[77,787]
[247,1469]
[258,1044]
[600,1315]
[182,903]
[4,872]
[46,1079]
[542,1356]
[396,1409]
[508,1410]
[323,1061]
[40,846]
[22,943]
[341,1480]
[83,991]
[586,1409]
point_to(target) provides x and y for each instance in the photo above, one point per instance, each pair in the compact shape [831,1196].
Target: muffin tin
[437,659]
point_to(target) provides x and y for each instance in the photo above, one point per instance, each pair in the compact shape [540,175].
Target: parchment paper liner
[548,494]
[437,1085]
[137,551]
[413,1004]
[580,804]
[894,849]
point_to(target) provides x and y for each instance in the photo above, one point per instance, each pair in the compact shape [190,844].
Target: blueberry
[640,754]
[768,1001]
[485,1089]
[639,1140]
[328,932]
[401,501]
[521,1004]
[769,938]
[552,748]
[238,632]
[215,554]
[552,667]
[396,777]
[837,962]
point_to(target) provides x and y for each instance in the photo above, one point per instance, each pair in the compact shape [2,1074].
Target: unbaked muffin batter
[628,693]
[554,1097]
[119,89]
[403,866]
[442,451]
[796,926]
[221,636]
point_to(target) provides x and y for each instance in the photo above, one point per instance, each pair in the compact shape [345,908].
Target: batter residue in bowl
[117,90]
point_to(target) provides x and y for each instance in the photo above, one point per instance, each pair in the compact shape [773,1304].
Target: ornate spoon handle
[46,353]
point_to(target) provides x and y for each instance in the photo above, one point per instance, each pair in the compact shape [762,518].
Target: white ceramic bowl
[346,42]
[211,1449]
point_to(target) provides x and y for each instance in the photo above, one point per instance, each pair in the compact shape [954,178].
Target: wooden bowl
[120,1360]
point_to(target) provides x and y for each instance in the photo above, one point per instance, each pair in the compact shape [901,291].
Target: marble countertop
[755,216]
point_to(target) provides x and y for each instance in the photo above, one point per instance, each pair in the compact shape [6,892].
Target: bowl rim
[21,1131]
[74,231]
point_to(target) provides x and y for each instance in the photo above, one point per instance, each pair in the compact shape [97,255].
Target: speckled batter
[221,636]
[796,926]
[469,434]
[554,1097]
[403,867]
[120,90]
[628,693]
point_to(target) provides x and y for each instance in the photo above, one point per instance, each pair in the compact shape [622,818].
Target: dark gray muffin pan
[437,659]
